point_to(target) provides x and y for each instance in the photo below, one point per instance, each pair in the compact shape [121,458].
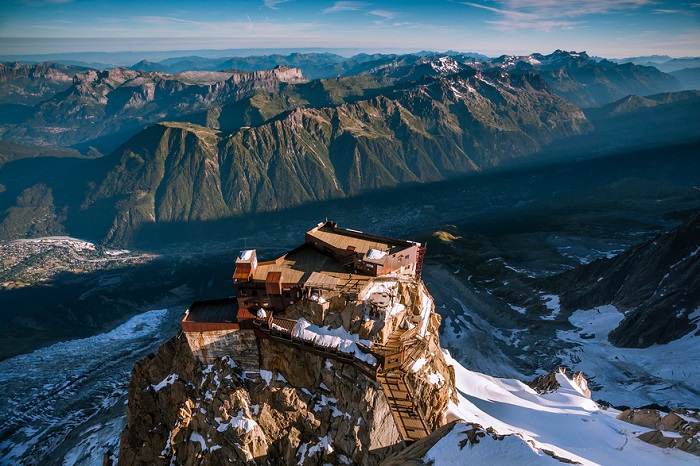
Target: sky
[606,28]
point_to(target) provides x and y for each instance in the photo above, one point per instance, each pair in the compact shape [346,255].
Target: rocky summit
[328,354]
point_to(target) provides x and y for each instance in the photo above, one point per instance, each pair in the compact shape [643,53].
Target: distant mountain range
[412,133]
[101,109]
[115,104]
[206,145]
[662,62]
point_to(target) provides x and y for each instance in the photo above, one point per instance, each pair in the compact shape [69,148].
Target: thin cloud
[345,6]
[574,8]
[548,15]
[661,11]
[513,20]
[168,26]
[36,3]
[157,20]
[272,4]
[383,14]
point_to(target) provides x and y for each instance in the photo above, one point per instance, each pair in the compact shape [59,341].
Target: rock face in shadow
[656,284]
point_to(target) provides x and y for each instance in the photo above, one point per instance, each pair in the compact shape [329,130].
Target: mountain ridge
[655,285]
[319,154]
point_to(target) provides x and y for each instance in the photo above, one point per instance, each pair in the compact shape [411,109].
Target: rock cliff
[300,407]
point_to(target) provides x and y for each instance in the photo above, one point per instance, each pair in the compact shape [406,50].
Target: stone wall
[241,345]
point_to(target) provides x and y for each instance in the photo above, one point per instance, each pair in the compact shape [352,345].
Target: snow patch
[169,380]
[240,422]
[552,303]
[266,376]
[340,338]
[197,437]
[418,365]
[375,254]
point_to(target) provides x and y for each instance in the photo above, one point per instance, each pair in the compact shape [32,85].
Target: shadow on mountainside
[76,304]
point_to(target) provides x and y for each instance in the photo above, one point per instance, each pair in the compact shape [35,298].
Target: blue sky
[609,28]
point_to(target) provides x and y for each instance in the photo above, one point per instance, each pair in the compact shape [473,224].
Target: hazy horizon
[605,28]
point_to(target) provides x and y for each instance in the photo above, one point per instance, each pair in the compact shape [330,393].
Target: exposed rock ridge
[31,84]
[677,429]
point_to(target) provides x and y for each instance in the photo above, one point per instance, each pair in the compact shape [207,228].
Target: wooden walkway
[403,407]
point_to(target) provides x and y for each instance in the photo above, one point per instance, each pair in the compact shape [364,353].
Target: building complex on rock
[343,295]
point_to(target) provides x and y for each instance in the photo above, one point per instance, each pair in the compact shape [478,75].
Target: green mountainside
[415,133]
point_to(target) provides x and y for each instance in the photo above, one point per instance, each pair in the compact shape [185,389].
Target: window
[244,292]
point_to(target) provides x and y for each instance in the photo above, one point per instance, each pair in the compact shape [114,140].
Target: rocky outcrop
[300,409]
[549,383]
[677,429]
[302,402]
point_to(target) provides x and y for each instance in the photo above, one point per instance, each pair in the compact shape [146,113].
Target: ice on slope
[564,422]
[510,451]
[663,374]
[74,390]
[552,303]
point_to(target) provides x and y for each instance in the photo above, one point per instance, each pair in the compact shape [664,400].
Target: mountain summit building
[343,295]
[336,276]
[331,259]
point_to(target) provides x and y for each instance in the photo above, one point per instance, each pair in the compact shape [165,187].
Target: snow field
[564,422]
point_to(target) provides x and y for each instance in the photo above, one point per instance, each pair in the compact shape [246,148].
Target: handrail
[302,343]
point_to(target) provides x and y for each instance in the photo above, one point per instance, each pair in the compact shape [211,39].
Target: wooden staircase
[403,407]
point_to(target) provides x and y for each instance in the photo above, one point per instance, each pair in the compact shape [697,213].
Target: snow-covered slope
[663,374]
[564,423]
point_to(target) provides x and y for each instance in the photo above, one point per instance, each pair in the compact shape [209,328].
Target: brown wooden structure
[216,314]
[331,258]
[368,254]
